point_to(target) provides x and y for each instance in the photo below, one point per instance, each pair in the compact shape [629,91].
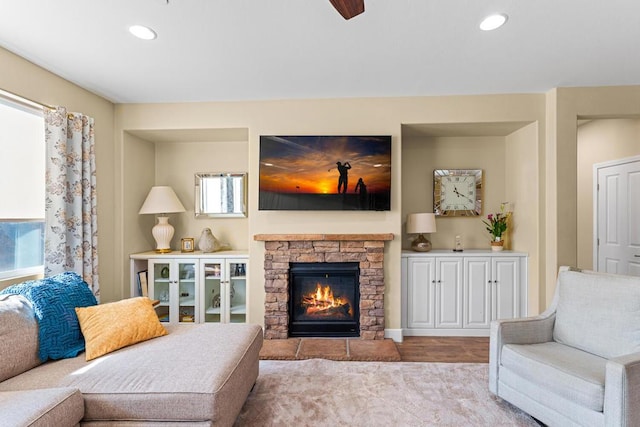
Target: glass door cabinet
[224,296]
[175,284]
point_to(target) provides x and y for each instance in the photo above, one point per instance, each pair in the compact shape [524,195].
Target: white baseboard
[394,334]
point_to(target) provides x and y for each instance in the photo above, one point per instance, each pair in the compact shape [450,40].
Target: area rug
[319,392]
[332,349]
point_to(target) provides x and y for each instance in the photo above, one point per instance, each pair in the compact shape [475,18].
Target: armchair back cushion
[598,313]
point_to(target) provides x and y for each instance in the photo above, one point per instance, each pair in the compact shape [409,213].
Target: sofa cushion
[195,373]
[598,313]
[109,327]
[54,300]
[563,370]
[60,407]
[18,336]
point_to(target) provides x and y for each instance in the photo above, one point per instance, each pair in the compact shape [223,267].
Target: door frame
[596,200]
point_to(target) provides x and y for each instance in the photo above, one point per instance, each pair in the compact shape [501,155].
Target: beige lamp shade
[162,200]
[418,223]
[421,223]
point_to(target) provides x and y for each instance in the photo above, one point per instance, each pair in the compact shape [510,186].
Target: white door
[617,217]
[506,279]
[448,293]
[477,292]
[420,287]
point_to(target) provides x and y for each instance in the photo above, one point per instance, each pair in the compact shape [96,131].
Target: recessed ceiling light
[492,22]
[142,32]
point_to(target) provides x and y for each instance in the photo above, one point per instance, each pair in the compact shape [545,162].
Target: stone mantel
[323,237]
[282,249]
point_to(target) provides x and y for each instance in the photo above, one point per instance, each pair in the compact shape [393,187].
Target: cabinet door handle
[433,281]
[637,256]
[439,281]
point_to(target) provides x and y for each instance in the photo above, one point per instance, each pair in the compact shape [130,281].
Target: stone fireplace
[281,250]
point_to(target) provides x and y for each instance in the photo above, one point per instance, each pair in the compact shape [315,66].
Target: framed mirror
[222,195]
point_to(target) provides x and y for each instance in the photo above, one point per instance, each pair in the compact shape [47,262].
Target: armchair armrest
[622,391]
[528,330]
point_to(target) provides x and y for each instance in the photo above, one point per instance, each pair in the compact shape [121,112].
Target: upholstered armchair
[578,363]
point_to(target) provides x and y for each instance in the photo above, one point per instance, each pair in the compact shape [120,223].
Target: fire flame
[322,299]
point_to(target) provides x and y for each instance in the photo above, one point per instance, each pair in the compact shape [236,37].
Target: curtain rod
[22,100]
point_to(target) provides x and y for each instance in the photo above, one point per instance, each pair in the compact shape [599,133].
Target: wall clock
[457,192]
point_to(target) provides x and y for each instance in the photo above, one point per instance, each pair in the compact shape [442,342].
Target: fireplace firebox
[324,299]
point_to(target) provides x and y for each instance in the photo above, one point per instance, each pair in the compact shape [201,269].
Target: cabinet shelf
[188,301]
[235,309]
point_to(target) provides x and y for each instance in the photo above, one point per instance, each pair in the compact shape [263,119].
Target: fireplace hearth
[324,299]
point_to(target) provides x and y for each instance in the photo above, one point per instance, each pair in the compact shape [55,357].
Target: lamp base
[421,244]
[163,232]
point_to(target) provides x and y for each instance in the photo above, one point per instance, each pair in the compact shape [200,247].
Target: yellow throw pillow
[109,327]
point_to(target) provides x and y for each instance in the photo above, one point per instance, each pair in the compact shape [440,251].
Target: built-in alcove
[172,157]
[508,154]
[494,147]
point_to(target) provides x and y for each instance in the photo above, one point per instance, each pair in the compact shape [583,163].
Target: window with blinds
[22,187]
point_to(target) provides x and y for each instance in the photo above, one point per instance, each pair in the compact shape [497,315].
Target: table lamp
[162,200]
[419,223]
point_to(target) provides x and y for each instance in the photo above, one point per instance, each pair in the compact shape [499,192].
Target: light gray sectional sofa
[578,363]
[197,375]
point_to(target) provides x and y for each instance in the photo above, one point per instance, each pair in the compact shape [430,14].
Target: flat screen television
[325,173]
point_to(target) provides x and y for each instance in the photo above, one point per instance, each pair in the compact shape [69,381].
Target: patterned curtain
[71,232]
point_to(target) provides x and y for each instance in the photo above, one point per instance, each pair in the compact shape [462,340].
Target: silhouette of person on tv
[361,188]
[343,179]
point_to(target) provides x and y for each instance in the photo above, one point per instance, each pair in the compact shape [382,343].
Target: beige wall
[23,78]
[599,141]
[329,116]
[522,189]
[564,107]
[138,176]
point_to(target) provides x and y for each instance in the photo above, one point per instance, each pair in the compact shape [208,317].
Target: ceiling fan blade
[348,8]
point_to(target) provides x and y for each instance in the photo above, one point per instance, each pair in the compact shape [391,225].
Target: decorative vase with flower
[497,226]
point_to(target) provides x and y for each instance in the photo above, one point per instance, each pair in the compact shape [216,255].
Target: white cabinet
[448,293]
[492,289]
[194,287]
[435,295]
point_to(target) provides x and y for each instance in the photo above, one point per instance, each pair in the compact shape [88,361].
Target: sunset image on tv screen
[325,172]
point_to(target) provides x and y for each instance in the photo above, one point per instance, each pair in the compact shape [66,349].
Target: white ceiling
[220,50]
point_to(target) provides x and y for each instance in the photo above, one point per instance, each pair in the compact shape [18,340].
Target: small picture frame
[186,244]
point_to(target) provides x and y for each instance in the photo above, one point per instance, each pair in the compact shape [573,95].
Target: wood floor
[444,349]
